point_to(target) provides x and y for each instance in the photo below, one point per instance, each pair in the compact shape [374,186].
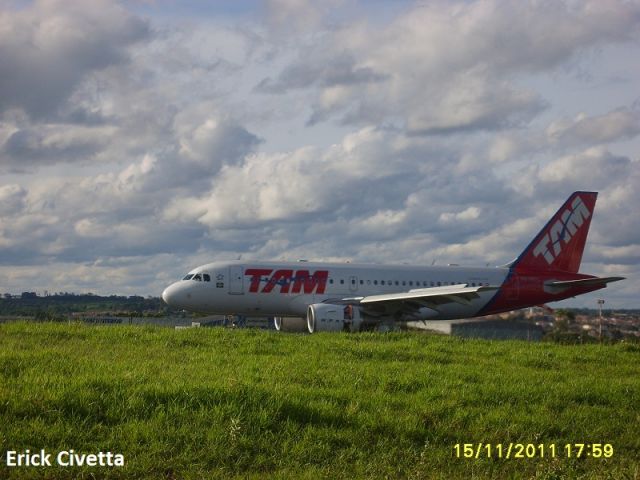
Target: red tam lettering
[256,276]
[280,277]
[317,281]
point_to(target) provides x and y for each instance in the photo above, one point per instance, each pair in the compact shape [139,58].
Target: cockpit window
[198,277]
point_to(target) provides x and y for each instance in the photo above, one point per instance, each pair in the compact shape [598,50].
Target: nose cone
[184,295]
[170,295]
[166,296]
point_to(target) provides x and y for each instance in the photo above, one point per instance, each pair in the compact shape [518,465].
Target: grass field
[219,403]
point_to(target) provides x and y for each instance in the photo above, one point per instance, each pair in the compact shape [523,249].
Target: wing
[413,300]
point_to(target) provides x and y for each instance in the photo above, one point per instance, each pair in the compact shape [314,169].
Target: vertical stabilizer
[559,245]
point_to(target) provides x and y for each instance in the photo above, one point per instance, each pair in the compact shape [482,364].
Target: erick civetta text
[63,458]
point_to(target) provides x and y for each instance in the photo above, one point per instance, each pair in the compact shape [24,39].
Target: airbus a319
[353,297]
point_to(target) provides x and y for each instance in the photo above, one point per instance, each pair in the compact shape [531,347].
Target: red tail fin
[560,244]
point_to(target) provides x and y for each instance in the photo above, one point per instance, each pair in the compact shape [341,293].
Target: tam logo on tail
[560,244]
[563,229]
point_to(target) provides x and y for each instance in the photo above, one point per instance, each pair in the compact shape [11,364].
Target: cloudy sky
[140,139]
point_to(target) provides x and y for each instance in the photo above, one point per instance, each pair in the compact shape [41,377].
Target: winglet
[559,245]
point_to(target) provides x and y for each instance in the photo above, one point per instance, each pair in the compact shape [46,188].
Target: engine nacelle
[324,317]
[290,324]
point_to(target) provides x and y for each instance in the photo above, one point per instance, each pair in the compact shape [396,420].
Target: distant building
[491,329]
[103,320]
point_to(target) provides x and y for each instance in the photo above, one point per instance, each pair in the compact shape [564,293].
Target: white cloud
[50,45]
[12,198]
[595,166]
[445,66]
[210,140]
[299,15]
[471,213]
[563,134]
[302,183]
[616,125]
[54,143]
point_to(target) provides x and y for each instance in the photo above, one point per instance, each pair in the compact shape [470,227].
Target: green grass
[217,403]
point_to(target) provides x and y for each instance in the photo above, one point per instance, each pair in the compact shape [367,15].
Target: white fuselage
[346,296]
[288,288]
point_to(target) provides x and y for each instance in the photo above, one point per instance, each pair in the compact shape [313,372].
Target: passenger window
[411,284]
[341,282]
[397,282]
[404,283]
[375,282]
[382,282]
[353,281]
[361,282]
[439,284]
[331,281]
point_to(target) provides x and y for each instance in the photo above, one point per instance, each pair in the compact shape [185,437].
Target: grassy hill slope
[203,403]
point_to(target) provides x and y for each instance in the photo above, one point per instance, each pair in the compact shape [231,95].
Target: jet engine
[290,324]
[324,317]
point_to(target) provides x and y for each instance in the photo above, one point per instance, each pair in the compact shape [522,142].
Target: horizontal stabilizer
[584,282]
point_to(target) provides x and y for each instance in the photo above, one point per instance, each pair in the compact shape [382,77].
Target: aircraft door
[236,280]
[353,284]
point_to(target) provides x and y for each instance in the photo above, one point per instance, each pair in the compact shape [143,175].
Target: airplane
[353,297]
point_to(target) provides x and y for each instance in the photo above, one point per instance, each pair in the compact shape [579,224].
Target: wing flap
[459,299]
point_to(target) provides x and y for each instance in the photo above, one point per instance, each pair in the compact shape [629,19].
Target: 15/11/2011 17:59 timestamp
[532,450]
